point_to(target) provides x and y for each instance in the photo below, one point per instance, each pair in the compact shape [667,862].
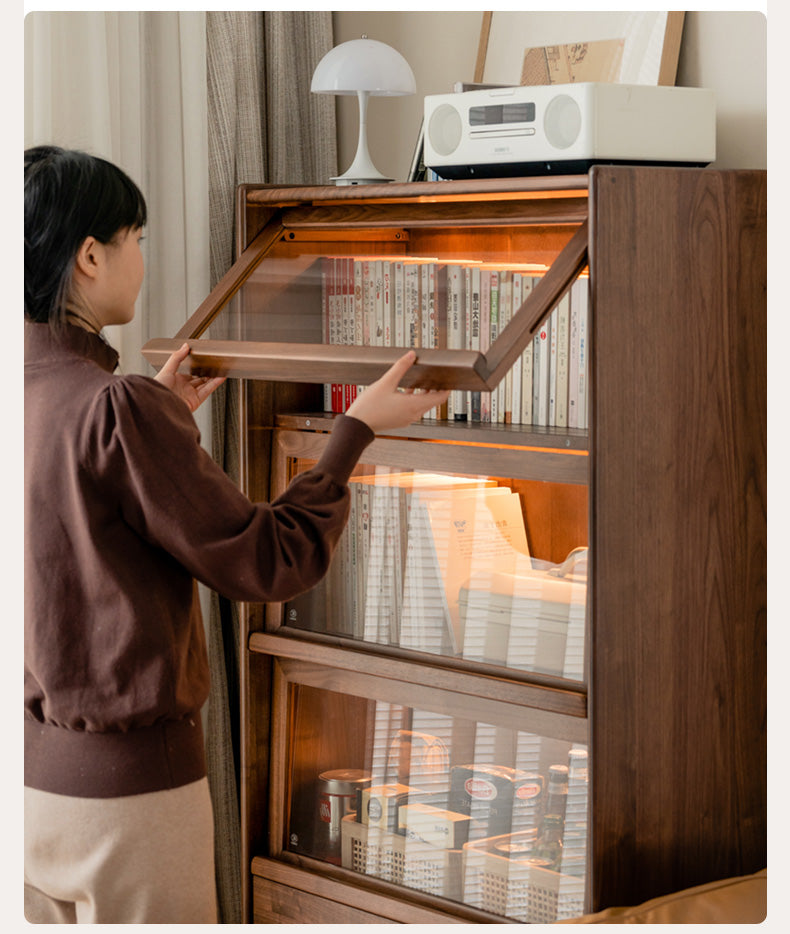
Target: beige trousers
[138,859]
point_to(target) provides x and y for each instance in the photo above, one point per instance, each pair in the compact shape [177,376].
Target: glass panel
[474,567]
[471,811]
[433,288]
[280,301]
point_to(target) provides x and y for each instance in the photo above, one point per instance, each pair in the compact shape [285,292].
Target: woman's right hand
[383,406]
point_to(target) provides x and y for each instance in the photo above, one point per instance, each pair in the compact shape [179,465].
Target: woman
[124,511]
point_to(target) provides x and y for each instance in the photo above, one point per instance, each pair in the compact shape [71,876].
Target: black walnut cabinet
[666,486]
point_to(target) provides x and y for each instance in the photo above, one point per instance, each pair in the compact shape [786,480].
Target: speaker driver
[562,121]
[445,129]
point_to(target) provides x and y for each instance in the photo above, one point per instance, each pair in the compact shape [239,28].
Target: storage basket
[517,889]
[404,861]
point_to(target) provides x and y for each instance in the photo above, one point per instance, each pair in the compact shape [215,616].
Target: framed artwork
[558,48]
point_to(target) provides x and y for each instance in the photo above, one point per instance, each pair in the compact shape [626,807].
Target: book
[399,304]
[540,379]
[561,389]
[553,332]
[527,284]
[494,333]
[473,399]
[485,336]
[456,332]
[505,388]
[516,371]
[577,354]
[474,532]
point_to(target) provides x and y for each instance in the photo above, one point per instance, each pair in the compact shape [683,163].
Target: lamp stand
[362,171]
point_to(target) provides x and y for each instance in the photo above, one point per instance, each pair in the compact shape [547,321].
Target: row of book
[421,302]
[441,564]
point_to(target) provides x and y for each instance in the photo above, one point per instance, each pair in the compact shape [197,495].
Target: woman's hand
[192,390]
[382,405]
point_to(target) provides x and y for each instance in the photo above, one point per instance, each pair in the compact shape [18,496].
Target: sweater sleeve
[145,451]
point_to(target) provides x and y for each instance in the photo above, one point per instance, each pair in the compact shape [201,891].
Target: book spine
[485,336]
[325,273]
[474,339]
[440,321]
[494,305]
[505,387]
[527,284]
[540,391]
[456,404]
[515,404]
[359,306]
[412,290]
[387,302]
[563,329]
[398,287]
[553,368]
[573,357]
[583,359]
[349,313]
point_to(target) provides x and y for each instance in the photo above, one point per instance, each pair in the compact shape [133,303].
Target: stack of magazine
[441,564]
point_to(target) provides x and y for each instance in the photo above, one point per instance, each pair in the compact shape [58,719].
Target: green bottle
[548,849]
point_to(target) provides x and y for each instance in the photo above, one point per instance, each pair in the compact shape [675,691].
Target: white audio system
[566,128]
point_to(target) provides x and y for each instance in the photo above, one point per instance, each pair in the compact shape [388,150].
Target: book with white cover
[552,420]
[399,299]
[527,284]
[561,389]
[473,340]
[485,336]
[505,387]
[456,403]
[540,380]
[516,369]
[494,334]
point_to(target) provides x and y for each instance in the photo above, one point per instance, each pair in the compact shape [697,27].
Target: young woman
[123,512]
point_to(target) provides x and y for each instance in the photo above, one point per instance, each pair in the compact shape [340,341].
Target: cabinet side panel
[678,506]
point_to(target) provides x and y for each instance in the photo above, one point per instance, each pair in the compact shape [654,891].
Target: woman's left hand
[193,390]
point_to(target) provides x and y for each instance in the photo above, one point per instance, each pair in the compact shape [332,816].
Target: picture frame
[649,43]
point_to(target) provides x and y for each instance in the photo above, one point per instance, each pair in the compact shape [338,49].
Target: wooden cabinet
[662,695]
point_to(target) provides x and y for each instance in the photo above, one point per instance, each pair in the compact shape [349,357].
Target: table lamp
[363,67]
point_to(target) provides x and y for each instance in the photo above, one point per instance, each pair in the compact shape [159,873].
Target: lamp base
[353,180]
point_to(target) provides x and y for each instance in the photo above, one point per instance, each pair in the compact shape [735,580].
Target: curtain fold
[263,127]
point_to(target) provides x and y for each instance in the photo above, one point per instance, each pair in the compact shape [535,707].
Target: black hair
[69,195]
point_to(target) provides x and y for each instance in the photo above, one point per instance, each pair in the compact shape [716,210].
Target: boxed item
[498,797]
[434,826]
[380,804]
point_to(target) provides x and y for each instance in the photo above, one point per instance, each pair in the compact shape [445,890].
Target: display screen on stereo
[489,114]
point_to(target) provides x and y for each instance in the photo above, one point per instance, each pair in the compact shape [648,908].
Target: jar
[337,797]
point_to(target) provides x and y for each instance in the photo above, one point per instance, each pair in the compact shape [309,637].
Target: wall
[725,51]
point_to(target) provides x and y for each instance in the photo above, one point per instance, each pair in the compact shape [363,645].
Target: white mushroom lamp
[363,67]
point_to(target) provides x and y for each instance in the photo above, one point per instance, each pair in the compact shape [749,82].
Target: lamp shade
[363,65]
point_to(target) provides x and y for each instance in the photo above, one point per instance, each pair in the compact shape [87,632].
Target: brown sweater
[123,511]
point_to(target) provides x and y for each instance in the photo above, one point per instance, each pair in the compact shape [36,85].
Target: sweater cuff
[349,438]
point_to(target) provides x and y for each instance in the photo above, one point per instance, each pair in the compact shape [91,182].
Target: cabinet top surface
[539,186]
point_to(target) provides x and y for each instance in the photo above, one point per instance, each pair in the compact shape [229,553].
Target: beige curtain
[264,126]
[131,87]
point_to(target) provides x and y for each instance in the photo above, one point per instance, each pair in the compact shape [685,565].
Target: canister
[337,796]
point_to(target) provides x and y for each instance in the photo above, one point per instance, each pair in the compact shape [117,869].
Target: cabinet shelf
[550,695]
